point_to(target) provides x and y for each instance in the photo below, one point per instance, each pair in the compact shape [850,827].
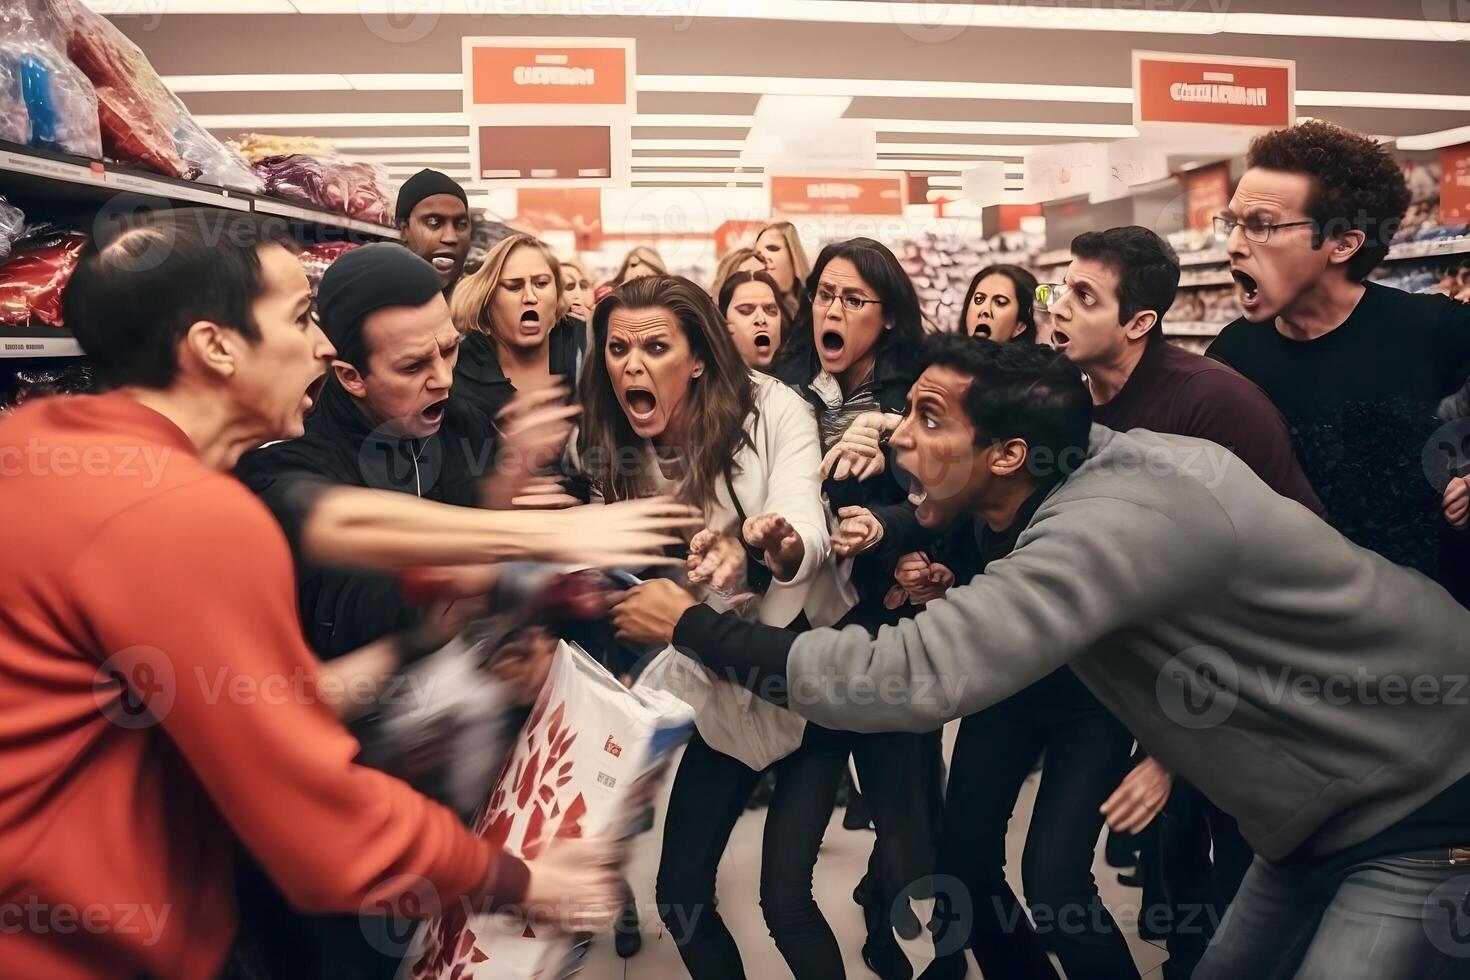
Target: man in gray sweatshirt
[1312,689]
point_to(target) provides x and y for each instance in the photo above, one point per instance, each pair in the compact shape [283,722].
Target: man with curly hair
[1357,368]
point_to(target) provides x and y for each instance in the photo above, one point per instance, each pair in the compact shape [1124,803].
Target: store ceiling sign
[865,193]
[1212,90]
[549,111]
[1454,183]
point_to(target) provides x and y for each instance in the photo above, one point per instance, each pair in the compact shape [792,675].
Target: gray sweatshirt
[1312,689]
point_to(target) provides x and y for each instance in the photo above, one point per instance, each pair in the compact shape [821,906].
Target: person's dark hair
[737,279]
[1021,391]
[1355,185]
[1025,285]
[797,361]
[719,402]
[1147,268]
[137,291]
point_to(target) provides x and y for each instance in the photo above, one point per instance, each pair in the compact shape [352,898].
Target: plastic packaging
[15,119]
[358,190]
[32,280]
[143,123]
[12,226]
[588,763]
[318,258]
[255,147]
[60,102]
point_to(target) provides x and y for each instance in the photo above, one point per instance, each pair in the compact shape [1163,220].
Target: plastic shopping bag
[588,763]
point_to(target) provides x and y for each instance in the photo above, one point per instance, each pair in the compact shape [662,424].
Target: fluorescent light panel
[943,19]
[1435,141]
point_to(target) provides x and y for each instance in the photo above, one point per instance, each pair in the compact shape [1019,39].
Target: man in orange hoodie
[158,704]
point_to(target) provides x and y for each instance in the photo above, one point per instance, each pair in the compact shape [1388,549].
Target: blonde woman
[641,260]
[576,289]
[735,260]
[512,312]
[779,247]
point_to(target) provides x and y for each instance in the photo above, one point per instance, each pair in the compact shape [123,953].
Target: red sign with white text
[838,194]
[1206,194]
[1454,183]
[548,76]
[733,234]
[1213,90]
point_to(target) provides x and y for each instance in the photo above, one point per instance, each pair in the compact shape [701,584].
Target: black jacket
[342,609]
[480,381]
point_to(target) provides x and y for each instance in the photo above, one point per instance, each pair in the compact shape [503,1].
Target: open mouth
[530,323]
[763,341]
[917,494]
[434,414]
[641,403]
[314,392]
[832,343]
[982,331]
[1250,290]
[443,264]
[1059,339]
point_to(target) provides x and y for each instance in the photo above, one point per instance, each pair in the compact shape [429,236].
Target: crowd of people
[1127,562]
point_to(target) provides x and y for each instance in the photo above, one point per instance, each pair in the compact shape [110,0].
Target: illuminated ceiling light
[1435,141]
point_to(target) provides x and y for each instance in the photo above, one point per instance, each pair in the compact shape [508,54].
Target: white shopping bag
[588,763]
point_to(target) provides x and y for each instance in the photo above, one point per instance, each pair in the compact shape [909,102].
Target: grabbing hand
[574,886]
[774,535]
[649,612]
[717,559]
[1138,798]
[858,531]
[922,580]
[1457,503]
[859,452]
[627,533]
[534,426]
[543,496]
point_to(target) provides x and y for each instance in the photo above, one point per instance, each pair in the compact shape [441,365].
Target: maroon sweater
[1178,393]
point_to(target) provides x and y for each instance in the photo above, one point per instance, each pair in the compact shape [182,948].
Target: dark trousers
[708,796]
[1197,888]
[1087,755]
[901,781]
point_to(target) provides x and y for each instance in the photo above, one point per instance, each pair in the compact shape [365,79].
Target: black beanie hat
[367,279]
[425,183]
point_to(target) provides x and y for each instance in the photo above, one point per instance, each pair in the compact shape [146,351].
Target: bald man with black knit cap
[433,215]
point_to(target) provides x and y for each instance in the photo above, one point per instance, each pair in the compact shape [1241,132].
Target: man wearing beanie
[434,217]
[386,421]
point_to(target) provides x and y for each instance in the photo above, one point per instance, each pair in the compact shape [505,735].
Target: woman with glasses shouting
[850,353]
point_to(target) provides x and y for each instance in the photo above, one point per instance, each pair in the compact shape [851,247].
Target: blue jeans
[1398,917]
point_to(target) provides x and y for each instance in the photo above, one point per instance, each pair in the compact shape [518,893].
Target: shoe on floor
[627,940]
[887,960]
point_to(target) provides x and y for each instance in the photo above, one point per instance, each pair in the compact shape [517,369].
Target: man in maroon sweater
[1107,317]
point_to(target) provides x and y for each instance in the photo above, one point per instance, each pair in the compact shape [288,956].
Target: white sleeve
[791,452]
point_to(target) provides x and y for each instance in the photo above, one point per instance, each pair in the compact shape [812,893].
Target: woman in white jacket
[669,407]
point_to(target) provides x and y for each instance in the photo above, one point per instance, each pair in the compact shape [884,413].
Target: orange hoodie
[158,704]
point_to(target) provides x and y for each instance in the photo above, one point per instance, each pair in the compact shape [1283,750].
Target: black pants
[902,785]
[1087,753]
[1197,890]
[708,796]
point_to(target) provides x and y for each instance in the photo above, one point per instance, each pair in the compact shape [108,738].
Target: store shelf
[1212,257]
[1429,249]
[1193,328]
[40,342]
[36,175]
[1208,281]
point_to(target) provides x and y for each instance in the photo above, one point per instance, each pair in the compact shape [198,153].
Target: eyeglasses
[1050,295]
[1258,232]
[824,297]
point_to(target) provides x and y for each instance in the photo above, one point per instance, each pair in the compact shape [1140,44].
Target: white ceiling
[945,84]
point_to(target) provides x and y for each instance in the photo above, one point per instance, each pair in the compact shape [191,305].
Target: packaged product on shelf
[33,278]
[255,147]
[59,101]
[30,383]
[317,258]
[588,763]
[358,190]
[15,121]
[12,226]
[143,123]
